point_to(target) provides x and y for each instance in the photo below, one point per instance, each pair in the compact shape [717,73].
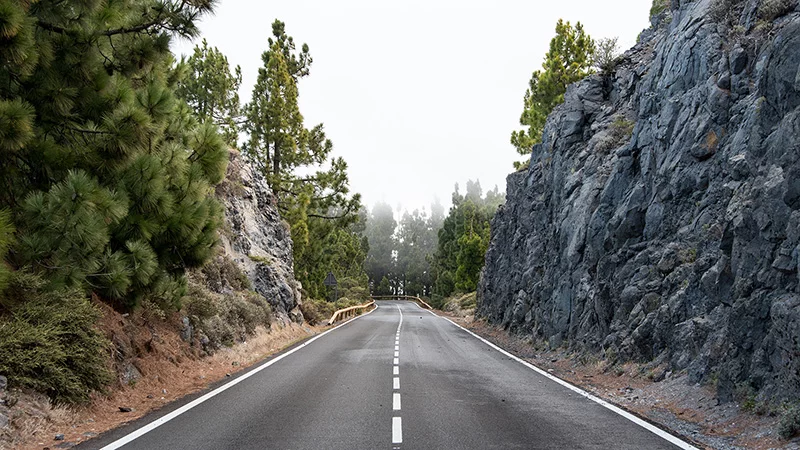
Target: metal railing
[420,301]
[348,312]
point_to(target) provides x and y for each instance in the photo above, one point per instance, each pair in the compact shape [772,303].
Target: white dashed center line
[397,430]
[397,421]
[396,401]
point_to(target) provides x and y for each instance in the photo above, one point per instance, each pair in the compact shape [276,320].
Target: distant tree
[413,269]
[568,60]
[383,288]
[333,247]
[463,240]
[380,229]
[211,89]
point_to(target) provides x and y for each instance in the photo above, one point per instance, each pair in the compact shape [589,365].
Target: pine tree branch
[51,27]
[136,29]
[325,217]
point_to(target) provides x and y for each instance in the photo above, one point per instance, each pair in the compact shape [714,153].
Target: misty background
[415,95]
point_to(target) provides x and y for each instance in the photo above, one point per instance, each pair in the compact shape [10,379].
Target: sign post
[330,281]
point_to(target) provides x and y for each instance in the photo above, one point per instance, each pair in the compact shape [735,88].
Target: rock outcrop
[256,238]
[659,219]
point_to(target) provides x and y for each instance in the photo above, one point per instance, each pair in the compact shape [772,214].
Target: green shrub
[261,259]
[606,54]
[226,318]
[222,272]
[320,311]
[658,7]
[249,310]
[49,342]
[725,11]
[620,131]
[317,311]
[772,9]
[200,304]
[311,312]
[789,425]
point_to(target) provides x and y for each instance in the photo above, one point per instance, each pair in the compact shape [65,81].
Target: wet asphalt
[366,385]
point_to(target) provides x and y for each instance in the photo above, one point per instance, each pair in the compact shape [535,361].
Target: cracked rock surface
[659,219]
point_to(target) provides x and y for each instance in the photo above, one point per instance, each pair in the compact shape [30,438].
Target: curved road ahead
[397,378]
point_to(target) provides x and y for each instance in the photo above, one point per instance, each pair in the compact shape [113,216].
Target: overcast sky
[415,95]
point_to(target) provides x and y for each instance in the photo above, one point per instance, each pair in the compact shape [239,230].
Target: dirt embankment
[155,367]
[662,397]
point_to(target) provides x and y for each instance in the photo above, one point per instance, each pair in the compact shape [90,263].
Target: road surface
[397,378]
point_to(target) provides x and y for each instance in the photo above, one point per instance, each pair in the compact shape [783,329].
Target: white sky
[415,95]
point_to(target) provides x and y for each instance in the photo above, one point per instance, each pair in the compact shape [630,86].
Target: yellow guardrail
[348,312]
[402,297]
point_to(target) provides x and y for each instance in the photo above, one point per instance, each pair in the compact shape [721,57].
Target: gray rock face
[677,242]
[255,237]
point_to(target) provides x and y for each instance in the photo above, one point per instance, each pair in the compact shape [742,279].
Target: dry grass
[166,378]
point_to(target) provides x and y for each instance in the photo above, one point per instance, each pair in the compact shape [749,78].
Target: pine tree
[6,240]
[568,60]
[311,187]
[380,234]
[106,174]
[463,240]
[211,89]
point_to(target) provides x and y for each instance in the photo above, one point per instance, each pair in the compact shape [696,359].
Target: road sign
[330,280]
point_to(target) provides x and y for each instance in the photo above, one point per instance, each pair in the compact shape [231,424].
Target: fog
[415,95]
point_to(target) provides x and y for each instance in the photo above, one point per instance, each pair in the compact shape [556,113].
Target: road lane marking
[397,430]
[166,418]
[642,423]
[397,422]
[396,401]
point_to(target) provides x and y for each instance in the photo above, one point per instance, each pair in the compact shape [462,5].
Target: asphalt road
[399,377]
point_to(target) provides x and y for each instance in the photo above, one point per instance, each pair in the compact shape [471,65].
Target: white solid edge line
[646,425]
[397,430]
[396,401]
[164,419]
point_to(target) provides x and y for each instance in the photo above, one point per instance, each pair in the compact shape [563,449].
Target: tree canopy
[569,59]
[211,89]
[106,174]
[463,240]
[311,186]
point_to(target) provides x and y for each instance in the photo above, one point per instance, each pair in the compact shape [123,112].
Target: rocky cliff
[659,220]
[256,238]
